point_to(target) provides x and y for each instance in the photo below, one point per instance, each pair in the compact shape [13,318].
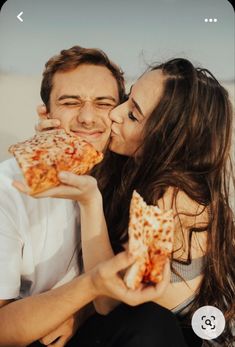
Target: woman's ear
[42,112]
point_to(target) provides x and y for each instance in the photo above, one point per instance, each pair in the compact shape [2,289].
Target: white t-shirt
[39,239]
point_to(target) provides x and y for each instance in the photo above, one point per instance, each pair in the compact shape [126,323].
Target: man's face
[82,99]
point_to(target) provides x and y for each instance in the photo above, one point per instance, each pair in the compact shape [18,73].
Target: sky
[132,32]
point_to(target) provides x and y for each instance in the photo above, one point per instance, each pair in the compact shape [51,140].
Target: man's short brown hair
[69,59]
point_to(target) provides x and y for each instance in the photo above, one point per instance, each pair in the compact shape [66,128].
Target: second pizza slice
[151,234]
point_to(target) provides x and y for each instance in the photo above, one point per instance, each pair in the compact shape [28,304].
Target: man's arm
[21,321]
[4,302]
[26,320]
[29,319]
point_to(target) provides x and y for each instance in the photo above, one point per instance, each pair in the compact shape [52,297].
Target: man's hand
[106,281]
[62,334]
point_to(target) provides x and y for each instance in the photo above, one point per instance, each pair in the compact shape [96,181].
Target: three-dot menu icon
[210,20]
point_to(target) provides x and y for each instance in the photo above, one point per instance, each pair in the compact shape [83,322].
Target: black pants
[190,337]
[147,325]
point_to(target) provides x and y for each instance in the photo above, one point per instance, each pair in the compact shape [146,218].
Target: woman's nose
[116,115]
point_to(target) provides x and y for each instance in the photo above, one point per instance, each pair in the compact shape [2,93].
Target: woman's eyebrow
[137,106]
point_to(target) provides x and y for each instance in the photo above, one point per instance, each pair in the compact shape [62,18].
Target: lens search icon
[208,322]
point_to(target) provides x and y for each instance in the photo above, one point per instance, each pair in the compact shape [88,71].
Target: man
[39,238]
[41,235]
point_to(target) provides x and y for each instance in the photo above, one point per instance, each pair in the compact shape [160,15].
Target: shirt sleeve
[10,256]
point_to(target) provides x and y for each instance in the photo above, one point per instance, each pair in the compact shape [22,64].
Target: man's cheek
[108,121]
[65,116]
[106,141]
[66,122]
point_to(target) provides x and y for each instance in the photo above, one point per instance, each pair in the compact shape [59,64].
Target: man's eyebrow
[106,98]
[62,97]
[78,97]
[137,106]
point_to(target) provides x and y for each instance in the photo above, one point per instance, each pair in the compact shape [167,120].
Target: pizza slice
[137,242]
[44,155]
[150,240]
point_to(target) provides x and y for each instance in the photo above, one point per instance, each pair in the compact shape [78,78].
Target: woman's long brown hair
[187,143]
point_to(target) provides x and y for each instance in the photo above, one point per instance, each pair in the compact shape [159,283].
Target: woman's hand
[45,123]
[107,281]
[82,188]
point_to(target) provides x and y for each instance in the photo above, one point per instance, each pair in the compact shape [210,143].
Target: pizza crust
[43,156]
[150,240]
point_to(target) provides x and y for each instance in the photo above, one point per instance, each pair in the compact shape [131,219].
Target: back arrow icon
[19,16]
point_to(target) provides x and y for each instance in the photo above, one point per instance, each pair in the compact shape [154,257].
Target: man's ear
[43,112]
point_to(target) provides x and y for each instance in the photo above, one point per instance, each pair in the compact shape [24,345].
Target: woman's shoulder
[183,205]
[188,214]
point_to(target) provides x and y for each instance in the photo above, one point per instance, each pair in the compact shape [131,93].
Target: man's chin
[100,141]
[99,144]
[100,147]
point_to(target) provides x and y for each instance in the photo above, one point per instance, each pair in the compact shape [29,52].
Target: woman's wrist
[94,199]
[87,284]
[94,283]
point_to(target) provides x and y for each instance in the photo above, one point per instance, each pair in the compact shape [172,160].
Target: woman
[176,127]
[172,138]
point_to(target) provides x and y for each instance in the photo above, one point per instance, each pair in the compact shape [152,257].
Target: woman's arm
[96,246]
[95,240]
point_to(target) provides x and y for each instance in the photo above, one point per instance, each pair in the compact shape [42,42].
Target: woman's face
[130,117]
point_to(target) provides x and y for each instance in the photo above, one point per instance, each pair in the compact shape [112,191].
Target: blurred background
[132,32]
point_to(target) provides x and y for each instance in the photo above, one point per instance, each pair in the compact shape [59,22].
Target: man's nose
[86,114]
[116,114]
